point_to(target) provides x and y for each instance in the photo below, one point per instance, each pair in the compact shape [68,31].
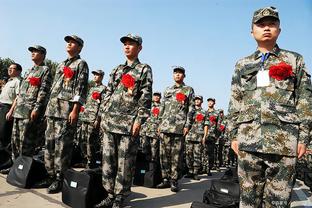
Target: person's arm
[9,115]
[190,113]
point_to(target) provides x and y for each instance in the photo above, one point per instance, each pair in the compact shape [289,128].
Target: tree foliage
[4,65]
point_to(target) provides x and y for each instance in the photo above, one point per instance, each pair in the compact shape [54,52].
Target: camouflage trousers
[193,151]
[171,146]
[150,146]
[266,180]
[119,155]
[24,137]
[59,145]
[89,141]
[204,158]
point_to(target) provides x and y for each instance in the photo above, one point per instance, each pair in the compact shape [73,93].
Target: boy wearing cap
[30,104]
[68,93]
[125,107]
[88,132]
[177,109]
[268,115]
[211,134]
[193,140]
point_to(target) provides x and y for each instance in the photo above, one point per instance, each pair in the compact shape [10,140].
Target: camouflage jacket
[271,119]
[150,127]
[34,92]
[128,97]
[177,109]
[196,132]
[213,120]
[69,86]
[90,110]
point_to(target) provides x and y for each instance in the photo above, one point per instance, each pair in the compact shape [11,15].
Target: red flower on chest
[34,81]
[199,117]
[96,95]
[222,127]
[280,71]
[82,109]
[180,97]
[213,119]
[128,81]
[155,111]
[68,72]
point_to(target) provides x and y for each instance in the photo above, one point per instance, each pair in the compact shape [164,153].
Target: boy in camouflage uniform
[193,144]
[88,132]
[68,93]
[30,104]
[211,134]
[149,135]
[177,109]
[125,107]
[268,119]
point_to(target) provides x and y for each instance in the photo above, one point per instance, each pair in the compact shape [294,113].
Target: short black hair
[18,66]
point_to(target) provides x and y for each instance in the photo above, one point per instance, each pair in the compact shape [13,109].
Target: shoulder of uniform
[288,52]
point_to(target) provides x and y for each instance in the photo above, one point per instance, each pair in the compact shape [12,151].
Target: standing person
[221,138]
[211,133]
[89,130]
[68,93]
[150,137]
[193,140]
[177,109]
[30,104]
[267,115]
[7,97]
[125,107]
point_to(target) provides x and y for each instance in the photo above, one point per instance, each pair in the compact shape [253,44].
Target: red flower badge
[34,81]
[82,109]
[222,127]
[180,97]
[199,117]
[128,82]
[213,119]
[155,111]
[280,71]
[68,72]
[96,95]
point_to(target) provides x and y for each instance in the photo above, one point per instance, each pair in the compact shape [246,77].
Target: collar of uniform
[178,86]
[73,58]
[37,66]
[275,51]
[133,65]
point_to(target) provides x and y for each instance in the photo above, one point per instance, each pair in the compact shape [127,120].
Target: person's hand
[135,129]
[73,117]
[203,140]
[185,131]
[96,124]
[301,149]
[234,146]
[9,115]
[34,115]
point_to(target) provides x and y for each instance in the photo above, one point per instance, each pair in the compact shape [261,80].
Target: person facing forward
[267,115]
[124,109]
[176,113]
[68,93]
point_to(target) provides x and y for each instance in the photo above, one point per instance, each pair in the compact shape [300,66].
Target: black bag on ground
[230,175]
[5,159]
[141,167]
[308,179]
[83,189]
[197,204]
[222,194]
[26,171]
[153,176]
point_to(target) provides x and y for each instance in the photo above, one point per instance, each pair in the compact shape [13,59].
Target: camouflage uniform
[33,95]
[212,120]
[65,92]
[193,139]
[174,116]
[268,122]
[88,135]
[149,134]
[221,140]
[121,108]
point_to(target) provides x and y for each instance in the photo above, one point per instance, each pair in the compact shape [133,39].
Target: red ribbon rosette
[82,109]
[280,71]
[34,81]
[199,117]
[128,81]
[96,95]
[213,119]
[155,111]
[222,127]
[68,72]
[180,97]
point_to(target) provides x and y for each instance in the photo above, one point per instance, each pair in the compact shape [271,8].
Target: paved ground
[141,197]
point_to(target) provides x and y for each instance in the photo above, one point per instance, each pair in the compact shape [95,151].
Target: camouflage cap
[265,12]
[178,68]
[75,38]
[37,48]
[99,72]
[212,99]
[198,97]
[133,37]
[157,93]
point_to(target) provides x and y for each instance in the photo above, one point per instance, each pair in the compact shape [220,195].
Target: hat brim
[31,49]
[268,16]
[156,93]
[211,99]
[125,38]
[179,70]
[198,98]
[95,72]
[68,38]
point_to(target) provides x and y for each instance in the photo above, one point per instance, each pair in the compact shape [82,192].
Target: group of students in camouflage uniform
[271,90]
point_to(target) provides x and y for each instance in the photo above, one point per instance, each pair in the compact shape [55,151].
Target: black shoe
[55,187]
[5,171]
[196,177]
[45,183]
[189,175]
[118,202]
[174,186]
[164,184]
[105,203]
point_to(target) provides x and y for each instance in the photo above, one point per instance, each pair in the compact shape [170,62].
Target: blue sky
[206,37]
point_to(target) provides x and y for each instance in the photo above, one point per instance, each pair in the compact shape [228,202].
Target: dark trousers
[5,126]
[220,152]
[211,144]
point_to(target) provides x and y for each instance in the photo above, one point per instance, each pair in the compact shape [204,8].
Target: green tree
[4,65]
[52,65]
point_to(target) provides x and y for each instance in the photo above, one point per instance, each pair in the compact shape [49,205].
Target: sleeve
[44,91]
[162,106]
[191,109]
[81,85]
[145,99]
[17,86]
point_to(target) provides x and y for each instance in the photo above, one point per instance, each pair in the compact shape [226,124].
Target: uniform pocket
[287,84]
[247,115]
